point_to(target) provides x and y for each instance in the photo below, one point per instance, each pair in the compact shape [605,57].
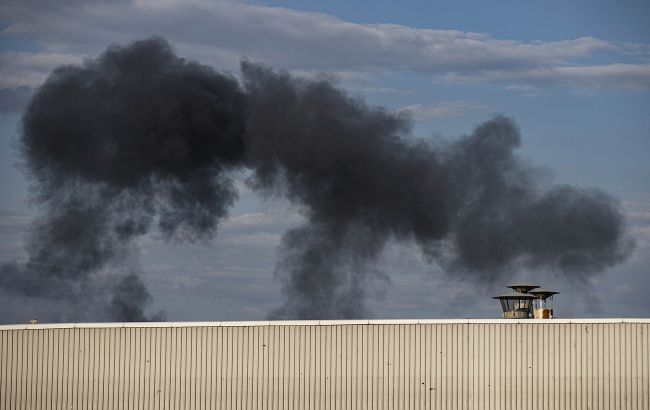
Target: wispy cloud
[442,109]
[14,99]
[628,77]
[638,216]
[273,219]
[30,69]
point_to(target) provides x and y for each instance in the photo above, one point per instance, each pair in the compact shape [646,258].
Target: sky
[574,76]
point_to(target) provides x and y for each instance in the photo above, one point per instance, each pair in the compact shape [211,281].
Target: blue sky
[575,76]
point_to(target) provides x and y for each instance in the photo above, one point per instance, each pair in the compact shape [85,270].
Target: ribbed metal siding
[339,366]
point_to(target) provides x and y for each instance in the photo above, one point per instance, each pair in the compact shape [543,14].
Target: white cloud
[250,240]
[611,76]
[30,69]
[274,218]
[637,214]
[14,99]
[527,89]
[442,109]
[638,210]
[221,32]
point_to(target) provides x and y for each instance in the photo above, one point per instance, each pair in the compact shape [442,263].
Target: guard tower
[542,305]
[516,305]
[522,287]
[526,301]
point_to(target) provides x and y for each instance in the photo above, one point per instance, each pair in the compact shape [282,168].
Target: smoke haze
[141,140]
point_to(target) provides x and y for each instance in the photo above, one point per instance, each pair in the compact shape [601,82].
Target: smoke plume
[140,139]
[134,139]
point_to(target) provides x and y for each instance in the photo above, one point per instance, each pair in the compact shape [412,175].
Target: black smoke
[134,139]
[140,139]
[471,205]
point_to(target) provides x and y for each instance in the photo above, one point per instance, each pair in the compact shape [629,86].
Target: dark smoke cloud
[122,306]
[140,139]
[133,139]
[471,204]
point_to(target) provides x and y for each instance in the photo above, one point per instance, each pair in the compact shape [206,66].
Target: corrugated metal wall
[339,365]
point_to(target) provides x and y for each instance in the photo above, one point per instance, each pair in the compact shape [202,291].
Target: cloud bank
[222,32]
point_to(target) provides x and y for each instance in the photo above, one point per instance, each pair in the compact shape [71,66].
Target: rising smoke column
[360,176]
[136,139]
[141,139]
